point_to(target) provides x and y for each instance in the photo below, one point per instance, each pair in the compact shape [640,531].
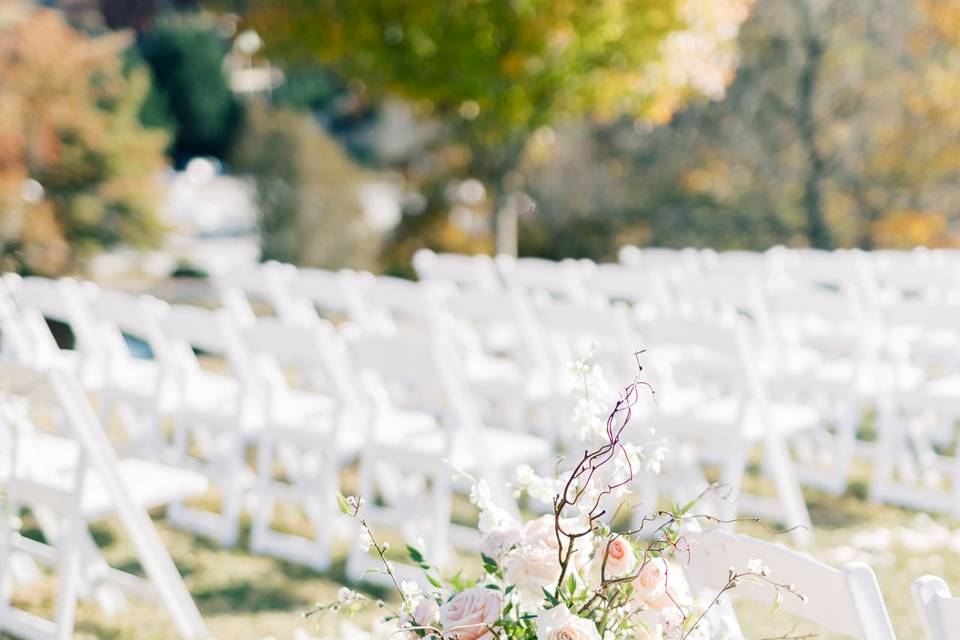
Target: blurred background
[149,138]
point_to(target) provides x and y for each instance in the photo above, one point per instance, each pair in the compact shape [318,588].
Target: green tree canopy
[185,54]
[494,72]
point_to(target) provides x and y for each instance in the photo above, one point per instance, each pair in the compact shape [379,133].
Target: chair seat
[418,435]
[707,417]
[46,474]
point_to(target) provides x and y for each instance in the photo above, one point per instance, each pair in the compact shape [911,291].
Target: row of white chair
[846,332]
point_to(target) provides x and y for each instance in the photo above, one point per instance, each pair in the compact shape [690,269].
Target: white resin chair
[62,301]
[69,480]
[260,287]
[414,380]
[216,414]
[556,279]
[916,416]
[307,436]
[134,387]
[334,295]
[843,601]
[466,272]
[712,403]
[938,609]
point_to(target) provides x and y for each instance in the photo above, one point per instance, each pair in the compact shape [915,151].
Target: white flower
[559,624]
[366,541]
[492,515]
[498,542]
[344,593]
[533,568]
[756,566]
[410,589]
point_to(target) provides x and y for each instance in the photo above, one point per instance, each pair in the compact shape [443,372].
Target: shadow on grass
[248,596]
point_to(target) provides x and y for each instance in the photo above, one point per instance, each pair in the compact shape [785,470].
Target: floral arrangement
[565,575]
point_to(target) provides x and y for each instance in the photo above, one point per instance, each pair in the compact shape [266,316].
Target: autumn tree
[494,73]
[70,123]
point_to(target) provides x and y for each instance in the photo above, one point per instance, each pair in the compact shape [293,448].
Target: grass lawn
[243,596]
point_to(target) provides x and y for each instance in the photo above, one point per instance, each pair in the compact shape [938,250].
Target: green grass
[243,596]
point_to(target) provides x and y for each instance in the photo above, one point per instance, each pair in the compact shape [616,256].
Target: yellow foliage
[70,121]
[906,229]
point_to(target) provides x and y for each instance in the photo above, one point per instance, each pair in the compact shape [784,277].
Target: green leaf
[344,505]
[777,601]
[414,554]
[434,581]
[550,597]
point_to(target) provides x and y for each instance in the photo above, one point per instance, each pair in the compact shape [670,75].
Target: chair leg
[69,574]
[788,490]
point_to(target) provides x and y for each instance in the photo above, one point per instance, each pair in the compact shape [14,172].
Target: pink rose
[425,612]
[660,585]
[651,582]
[620,558]
[469,614]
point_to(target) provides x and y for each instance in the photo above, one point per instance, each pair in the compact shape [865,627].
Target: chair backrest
[250,286]
[560,280]
[185,330]
[669,262]
[939,611]
[60,300]
[496,322]
[620,283]
[470,272]
[392,303]
[418,371]
[122,316]
[283,349]
[332,294]
[846,601]
[572,329]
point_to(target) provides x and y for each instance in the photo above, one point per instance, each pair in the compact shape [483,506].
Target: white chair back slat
[939,610]
[469,272]
[846,601]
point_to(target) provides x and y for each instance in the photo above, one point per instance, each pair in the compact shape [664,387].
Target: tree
[70,122]
[185,54]
[308,192]
[493,73]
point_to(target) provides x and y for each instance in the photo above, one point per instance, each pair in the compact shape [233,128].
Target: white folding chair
[260,287]
[62,301]
[216,414]
[847,601]
[712,403]
[916,416]
[413,379]
[939,610]
[74,480]
[134,387]
[308,436]
[466,272]
[335,295]
[537,276]
[644,289]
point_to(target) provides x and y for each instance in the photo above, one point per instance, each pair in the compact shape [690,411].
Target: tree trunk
[813,48]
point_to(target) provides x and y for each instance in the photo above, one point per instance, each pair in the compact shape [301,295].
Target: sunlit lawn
[243,596]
